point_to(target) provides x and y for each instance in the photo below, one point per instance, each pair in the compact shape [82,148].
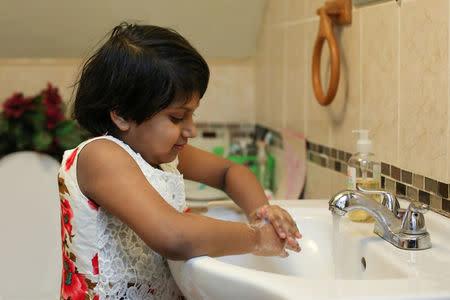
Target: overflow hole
[363,264]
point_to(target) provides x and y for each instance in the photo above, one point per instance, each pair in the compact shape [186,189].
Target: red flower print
[95,264]
[92,205]
[73,284]
[16,105]
[63,231]
[187,210]
[66,216]
[71,159]
[96,297]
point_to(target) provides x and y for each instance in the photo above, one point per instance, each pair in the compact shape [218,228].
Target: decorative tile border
[403,183]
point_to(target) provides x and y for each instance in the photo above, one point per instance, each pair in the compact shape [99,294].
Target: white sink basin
[339,260]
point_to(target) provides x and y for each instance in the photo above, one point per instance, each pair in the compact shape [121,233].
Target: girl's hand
[267,241]
[282,222]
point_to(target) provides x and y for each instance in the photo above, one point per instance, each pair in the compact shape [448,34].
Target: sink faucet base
[405,241]
[406,232]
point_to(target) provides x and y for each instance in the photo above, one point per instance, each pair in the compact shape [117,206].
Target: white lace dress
[102,257]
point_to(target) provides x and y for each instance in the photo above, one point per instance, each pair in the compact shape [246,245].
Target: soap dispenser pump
[363,168]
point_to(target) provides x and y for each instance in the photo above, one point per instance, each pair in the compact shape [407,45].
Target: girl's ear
[120,122]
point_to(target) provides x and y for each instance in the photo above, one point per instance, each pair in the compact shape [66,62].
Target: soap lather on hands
[268,243]
[282,223]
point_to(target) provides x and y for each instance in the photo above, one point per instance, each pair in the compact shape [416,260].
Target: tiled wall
[394,81]
[231,85]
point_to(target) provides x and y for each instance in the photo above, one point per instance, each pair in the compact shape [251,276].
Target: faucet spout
[349,200]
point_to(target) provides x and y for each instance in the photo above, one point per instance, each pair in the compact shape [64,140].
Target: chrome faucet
[404,229]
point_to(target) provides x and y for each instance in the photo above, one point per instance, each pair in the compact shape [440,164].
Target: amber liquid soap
[363,169]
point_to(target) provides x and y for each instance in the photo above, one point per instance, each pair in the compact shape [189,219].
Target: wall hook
[341,12]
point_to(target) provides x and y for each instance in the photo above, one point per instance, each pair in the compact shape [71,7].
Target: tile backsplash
[403,183]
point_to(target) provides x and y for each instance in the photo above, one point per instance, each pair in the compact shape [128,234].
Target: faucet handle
[389,200]
[414,221]
[418,207]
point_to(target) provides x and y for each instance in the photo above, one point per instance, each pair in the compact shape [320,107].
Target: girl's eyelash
[175,119]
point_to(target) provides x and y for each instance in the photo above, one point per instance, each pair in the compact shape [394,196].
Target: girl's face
[162,137]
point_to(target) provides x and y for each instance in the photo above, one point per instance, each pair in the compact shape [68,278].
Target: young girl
[122,193]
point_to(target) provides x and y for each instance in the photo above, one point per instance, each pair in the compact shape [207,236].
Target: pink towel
[294,145]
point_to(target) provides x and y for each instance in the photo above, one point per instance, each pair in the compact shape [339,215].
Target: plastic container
[363,168]
[251,161]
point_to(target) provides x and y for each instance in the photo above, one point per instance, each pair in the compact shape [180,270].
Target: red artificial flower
[73,284]
[92,205]
[53,115]
[95,264]
[66,217]
[71,159]
[16,105]
[51,96]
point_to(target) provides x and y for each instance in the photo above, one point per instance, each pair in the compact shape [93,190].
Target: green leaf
[38,99]
[42,140]
[38,106]
[70,141]
[64,128]
[16,129]
[38,120]
[4,125]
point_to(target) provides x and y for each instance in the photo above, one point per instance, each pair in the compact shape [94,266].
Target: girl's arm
[108,176]
[236,180]
[241,185]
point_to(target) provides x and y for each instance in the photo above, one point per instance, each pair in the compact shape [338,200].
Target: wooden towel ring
[341,10]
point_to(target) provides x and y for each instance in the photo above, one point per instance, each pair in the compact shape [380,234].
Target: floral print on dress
[92,205]
[71,159]
[74,285]
[66,216]
[62,187]
[95,264]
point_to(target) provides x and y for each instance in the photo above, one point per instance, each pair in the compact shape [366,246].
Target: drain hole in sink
[363,264]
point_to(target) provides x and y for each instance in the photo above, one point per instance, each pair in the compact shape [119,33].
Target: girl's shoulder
[105,152]
[107,155]
[95,146]
[105,147]
[103,142]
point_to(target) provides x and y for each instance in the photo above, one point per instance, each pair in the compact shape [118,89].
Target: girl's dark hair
[138,72]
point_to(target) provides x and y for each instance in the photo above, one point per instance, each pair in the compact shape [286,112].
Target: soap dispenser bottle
[262,159]
[364,169]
